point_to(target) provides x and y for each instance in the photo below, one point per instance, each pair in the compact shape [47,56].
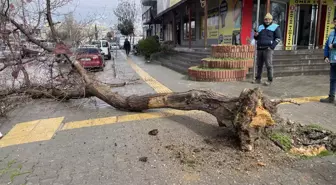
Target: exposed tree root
[306,140]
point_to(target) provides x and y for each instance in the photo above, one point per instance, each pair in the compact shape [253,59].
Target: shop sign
[290,26]
[291,19]
[224,20]
[329,20]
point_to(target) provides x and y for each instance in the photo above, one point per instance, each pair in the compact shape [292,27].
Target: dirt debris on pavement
[153,132]
[223,152]
[143,159]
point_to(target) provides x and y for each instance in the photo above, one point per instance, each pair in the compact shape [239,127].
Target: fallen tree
[249,113]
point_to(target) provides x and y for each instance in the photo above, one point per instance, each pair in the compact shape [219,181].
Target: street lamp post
[255,55]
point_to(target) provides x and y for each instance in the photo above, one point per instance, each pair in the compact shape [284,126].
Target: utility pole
[317,32]
[268,6]
[189,12]
[255,55]
[205,23]
[204,5]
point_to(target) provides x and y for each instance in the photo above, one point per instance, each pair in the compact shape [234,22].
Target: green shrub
[148,46]
[167,46]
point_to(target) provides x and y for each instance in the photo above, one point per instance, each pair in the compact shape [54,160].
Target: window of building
[186,30]
[186,26]
[278,11]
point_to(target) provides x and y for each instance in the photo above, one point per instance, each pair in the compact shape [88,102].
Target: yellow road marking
[120,119]
[306,99]
[160,88]
[157,86]
[27,132]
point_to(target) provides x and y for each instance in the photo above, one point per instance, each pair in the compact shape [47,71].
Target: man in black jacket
[267,36]
[127,46]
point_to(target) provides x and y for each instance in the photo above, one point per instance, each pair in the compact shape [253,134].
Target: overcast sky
[100,10]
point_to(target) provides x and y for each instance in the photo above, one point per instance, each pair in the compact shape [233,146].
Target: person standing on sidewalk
[127,46]
[267,36]
[330,57]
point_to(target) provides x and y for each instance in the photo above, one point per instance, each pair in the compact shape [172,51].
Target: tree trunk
[247,113]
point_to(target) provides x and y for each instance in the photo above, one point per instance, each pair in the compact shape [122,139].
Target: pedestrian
[127,46]
[330,57]
[267,36]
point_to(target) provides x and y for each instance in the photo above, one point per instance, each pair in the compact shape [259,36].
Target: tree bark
[248,113]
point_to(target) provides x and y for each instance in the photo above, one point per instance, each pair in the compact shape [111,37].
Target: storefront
[303,31]
[298,21]
[234,21]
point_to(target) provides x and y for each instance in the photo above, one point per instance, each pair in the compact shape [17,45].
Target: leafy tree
[126,12]
[126,27]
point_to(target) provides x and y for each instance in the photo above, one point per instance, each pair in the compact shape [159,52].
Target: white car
[114,46]
[105,48]
[88,46]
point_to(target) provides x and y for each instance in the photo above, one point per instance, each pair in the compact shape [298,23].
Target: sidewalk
[285,87]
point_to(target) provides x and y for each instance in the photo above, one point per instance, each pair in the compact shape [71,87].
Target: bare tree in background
[127,13]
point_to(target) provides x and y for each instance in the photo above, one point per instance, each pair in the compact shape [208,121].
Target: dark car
[90,58]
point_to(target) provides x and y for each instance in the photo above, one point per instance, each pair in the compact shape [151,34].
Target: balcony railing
[149,14]
[148,2]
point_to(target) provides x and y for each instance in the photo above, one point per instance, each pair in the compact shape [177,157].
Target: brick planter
[232,55]
[227,64]
[224,75]
[231,51]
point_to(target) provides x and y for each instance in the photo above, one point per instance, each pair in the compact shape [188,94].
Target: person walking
[330,57]
[267,36]
[127,46]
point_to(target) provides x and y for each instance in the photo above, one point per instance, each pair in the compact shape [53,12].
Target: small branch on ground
[277,102]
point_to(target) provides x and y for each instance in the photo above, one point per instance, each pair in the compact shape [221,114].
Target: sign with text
[292,19]
[290,26]
[173,2]
[224,20]
[329,21]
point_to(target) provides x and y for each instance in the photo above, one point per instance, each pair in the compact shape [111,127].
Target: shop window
[186,23]
[224,21]
[186,29]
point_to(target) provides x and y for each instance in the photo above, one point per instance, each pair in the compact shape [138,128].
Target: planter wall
[227,63]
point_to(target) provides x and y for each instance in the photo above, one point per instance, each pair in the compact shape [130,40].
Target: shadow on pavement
[212,134]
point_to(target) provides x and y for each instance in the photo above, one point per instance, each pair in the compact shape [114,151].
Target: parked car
[89,46]
[104,46]
[121,43]
[114,46]
[90,58]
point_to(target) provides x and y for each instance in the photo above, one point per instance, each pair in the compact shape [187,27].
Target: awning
[153,21]
[168,9]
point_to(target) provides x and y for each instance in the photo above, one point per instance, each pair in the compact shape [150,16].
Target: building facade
[305,24]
